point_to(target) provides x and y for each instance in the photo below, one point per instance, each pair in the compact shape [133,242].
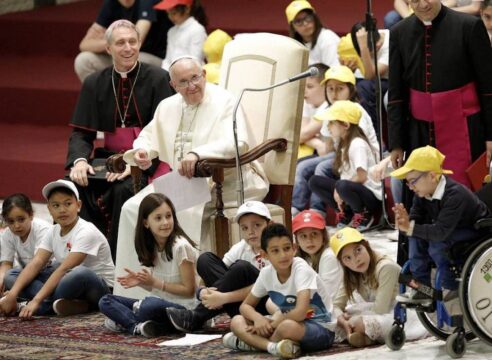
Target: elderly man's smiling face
[188,79]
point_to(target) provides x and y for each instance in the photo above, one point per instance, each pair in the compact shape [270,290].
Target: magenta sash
[122,140]
[448,111]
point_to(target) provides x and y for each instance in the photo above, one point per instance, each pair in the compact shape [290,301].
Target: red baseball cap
[308,219]
[169,4]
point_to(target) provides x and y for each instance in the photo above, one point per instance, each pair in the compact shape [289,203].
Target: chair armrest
[205,167]
[116,164]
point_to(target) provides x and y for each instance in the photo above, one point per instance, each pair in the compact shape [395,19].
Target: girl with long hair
[168,257]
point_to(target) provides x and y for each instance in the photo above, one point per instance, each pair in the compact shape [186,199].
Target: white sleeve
[329,47]
[358,154]
[305,278]
[259,289]
[86,241]
[330,272]
[383,53]
[367,127]
[197,39]
[144,140]
[184,251]
[7,241]
[46,243]
[233,254]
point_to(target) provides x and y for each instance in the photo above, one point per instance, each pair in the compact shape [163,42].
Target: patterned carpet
[84,337]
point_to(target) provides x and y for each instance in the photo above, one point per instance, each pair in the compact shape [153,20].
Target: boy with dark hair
[228,280]
[303,320]
[443,213]
[82,270]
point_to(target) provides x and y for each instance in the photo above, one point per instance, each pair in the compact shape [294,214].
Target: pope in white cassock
[194,124]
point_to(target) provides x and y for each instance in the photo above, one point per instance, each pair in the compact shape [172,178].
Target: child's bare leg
[239,325]
[288,329]
[358,325]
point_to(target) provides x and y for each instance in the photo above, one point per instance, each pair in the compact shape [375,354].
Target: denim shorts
[316,337]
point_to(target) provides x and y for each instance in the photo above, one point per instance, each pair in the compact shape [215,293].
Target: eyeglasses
[183,84]
[412,183]
[303,21]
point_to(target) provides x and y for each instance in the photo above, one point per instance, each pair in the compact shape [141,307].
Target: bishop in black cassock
[121,121]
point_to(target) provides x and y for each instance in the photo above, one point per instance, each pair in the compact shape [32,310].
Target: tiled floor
[429,348]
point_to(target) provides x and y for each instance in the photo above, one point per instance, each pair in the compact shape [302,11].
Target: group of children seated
[285,293]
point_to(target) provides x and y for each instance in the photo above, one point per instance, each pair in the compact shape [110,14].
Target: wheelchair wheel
[429,321]
[476,291]
[456,345]
[395,338]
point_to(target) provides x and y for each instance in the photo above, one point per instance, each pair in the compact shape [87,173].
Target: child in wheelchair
[443,213]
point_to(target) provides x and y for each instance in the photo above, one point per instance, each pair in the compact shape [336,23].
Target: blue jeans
[78,283]
[120,310]
[391,18]
[422,251]
[316,337]
[301,194]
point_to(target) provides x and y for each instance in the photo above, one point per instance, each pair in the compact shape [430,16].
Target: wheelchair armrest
[483,223]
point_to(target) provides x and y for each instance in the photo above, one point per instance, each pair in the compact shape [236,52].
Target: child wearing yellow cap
[354,196]
[443,213]
[305,26]
[370,283]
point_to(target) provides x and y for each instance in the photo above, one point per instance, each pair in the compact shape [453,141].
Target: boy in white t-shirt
[304,319]
[82,270]
[228,280]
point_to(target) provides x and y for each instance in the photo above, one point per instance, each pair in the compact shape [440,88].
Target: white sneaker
[393,235]
[113,326]
[231,341]
[288,349]
[21,305]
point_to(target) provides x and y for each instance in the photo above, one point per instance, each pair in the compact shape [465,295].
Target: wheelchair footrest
[409,281]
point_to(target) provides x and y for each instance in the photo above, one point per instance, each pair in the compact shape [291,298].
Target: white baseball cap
[253,207]
[60,183]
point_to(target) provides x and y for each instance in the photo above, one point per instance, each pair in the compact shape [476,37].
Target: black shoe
[362,221]
[184,320]
[149,329]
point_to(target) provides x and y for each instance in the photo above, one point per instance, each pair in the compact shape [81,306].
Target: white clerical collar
[439,192]
[427,23]
[124,74]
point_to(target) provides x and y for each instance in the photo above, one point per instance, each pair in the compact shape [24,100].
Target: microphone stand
[371,32]
[240,183]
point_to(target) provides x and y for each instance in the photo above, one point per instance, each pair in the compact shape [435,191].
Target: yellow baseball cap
[295,7]
[346,51]
[423,159]
[341,110]
[213,47]
[344,237]
[212,71]
[341,73]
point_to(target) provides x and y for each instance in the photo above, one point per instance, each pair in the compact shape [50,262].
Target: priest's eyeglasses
[195,80]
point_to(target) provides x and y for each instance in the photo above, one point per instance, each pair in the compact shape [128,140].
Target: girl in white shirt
[309,229]
[305,26]
[19,241]
[169,257]
[188,34]
[355,197]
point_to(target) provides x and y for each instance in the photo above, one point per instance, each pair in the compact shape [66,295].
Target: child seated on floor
[303,321]
[168,256]
[313,244]
[364,305]
[82,270]
[20,239]
[442,214]
[229,280]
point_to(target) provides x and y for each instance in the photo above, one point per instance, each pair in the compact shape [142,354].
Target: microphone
[312,71]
